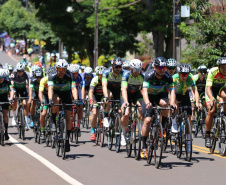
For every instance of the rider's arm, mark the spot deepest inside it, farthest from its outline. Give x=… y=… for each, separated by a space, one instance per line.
x=74 y=90
x=209 y=83
x=196 y=93
x=83 y=91
x=124 y=85
x=105 y=83
x=11 y=89
x=172 y=96
x=31 y=86
x=91 y=94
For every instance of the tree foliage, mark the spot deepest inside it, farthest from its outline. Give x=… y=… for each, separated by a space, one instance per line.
x=206 y=37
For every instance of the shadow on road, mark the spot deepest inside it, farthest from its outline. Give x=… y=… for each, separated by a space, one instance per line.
x=198 y=159
x=171 y=165
x=74 y=156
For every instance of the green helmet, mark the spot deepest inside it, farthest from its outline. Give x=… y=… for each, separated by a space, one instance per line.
x=171 y=62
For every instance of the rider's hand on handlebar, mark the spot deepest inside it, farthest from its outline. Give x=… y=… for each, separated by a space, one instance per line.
x=125 y=105
x=51 y=103
x=148 y=105
x=106 y=99
x=10 y=102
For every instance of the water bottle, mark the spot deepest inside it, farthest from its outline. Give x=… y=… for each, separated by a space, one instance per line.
x=181 y=128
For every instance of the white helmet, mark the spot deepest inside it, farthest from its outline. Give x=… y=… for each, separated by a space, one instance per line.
x=88 y=70
x=2 y=73
x=184 y=68
x=20 y=66
x=126 y=64
x=68 y=67
x=82 y=67
x=7 y=72
x=136 y=64
x=74 y=68
x=29 y=64
x=10 y=67
x=61 y=63
x=99 y=70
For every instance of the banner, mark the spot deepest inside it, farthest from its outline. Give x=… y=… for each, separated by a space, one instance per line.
x=3 y=35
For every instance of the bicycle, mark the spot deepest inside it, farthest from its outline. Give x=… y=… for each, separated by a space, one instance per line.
x=199 y=124
x=61 y=127
x=155 y=137
x=218 y=131
x=86 y=113
x=133 y=136
x=99 y=134
x=114 y=130
x=2 y=125
x=180 y=139
x=37 y=127
x=20 y=117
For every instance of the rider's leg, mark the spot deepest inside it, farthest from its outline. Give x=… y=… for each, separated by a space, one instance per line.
x=26 y=112
x=55 y=109
x=164 y=103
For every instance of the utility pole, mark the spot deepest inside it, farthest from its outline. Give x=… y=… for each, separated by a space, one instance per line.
x=26 y=4
x=60 y=48
x=96 y=35
x=176 y=30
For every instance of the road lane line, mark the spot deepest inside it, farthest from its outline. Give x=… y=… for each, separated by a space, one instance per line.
x=44 y=161
x=207 y=152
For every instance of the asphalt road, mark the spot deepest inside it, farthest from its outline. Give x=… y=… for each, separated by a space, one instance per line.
x=26 y=162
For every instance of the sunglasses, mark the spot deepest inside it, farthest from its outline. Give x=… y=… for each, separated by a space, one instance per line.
x=161 y=67
x=184 y=74
x=75 y=73
x=20 y=71
x=171 y=68
x=203 y=72
x=62 y=69
x=118 y=67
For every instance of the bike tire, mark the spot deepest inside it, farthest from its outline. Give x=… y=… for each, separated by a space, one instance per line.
x=137 y=142
x=173 y=143
x=19 y=122
x=188 y=148
x=213 y=134
x=167 y=137
x=102 y=131
x=23 y=124
x=63 y=138
x=203 y=124
x=58 y=141
x=118 y=131
x=129 y=136
x=87 y=116
x=150 y=147
x=158 y=145
x=98 y=130
x=221 y=138
x=2 y=134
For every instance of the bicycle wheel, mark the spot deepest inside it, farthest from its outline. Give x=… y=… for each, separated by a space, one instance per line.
x=63 y=137
x=137 y=140
x=128 y=137
x=158 y=144
x=87 y=115
x=58 y=138
x=22 y=125
x=174 y=143
x=150 y=147
x=213 y=136
x=203 y=124
x=98 y=130
x=221 y=137
x=109 y=135
x=2 y=127
x=188 y=140
x=19 y=122
x=179 y=140
x=166 y=137
x=118 y=131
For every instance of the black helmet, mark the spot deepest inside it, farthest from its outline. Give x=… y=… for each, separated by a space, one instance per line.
x=116 y=62
x=38 y=73
x=184 y=68
x=160 y=61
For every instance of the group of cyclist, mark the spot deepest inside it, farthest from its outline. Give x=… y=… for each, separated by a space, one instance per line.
x=165 y=85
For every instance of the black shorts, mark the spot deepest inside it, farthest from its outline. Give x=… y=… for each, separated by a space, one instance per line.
x=116 y=94
x=154 y=99
x=133 y=98
x=216 y=91
x=97 y=98
x=185 y=101
x=4 y=98
x=65 y=98
x=21 y=92
x=86 y=88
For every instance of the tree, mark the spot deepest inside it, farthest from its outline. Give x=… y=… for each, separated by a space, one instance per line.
x=206 y=37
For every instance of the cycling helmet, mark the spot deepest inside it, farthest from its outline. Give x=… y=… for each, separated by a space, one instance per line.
x=10 y=67
x=184 y=68
x=202 y=68
x=99 y=70
x=33 y=68
x=82 y=67
x=61 y=63
x=74 y=68
x=126 y=64
x=221 y=61
x=88 y=70
x=171 y=62
x=160 y=61
x=116 y=62
x=7 y=73
x=20 y=66
x=2 y=73
x=136 y=64
x=38 y=73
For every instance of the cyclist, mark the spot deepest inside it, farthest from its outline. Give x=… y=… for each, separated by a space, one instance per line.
x=10 y=68
x=88 y=76
x=126 y=65
x=5 y=87
x=95 y=95
x=111 y=82
x=82 y=68
x=19 y=80
x=132 y=82
x=33 y=93
x=61 y=85
x=183 y=80
x=80 y=86
x=171 y=66
x=215 y=86
x=155 y=84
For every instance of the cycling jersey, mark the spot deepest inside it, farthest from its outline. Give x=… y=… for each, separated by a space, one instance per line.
x=79 y=81
x=96 y=85
x=113 y=83
x=61 y=84
x=5 y=86
x=19 y=82
x=44 y=85
x=34 y=85
x=182 y=87
x=215 y=78
x=156 y=86
x=200 y=84
x=133 y=84
x=87 y=80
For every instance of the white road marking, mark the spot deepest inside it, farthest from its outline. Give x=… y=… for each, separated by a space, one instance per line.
x=48 y=164
x=14 y=59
